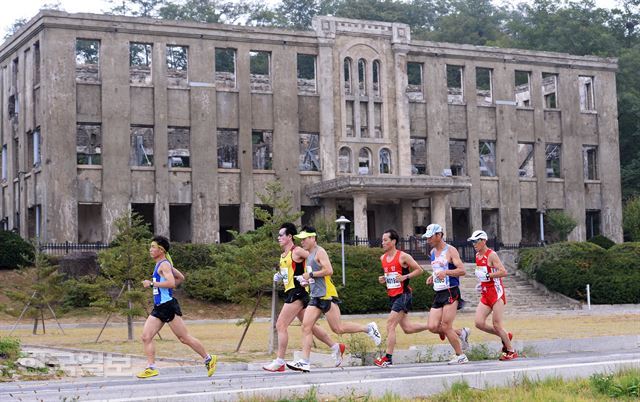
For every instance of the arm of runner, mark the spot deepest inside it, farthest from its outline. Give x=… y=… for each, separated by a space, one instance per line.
x=179 y=276
x=415 y=269
x=495 y=262
x=322 y=258
x=166 y=272
x=299 y=254
x=455 y=260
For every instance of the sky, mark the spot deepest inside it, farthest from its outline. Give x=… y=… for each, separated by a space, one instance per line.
x=29 y=8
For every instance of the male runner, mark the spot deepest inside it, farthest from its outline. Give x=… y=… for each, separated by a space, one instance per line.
x=296 y=298
x=490 y=271
x=167 y=310
x=324 y=299
x=398 y=268
x=447 y=268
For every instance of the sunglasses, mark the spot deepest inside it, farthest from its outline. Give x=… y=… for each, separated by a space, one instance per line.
x=476 y=241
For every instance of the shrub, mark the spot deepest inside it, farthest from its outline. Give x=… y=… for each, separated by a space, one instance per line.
x=560 y=224
x=14 y=250
x=192 y=257
x=602 y=241
x=631 y=218
x=9 y=348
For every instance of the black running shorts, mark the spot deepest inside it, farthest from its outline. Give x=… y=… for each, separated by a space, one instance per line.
x=290 y=296
x=167 y=311
x=323 y=304
x=447 y=296
x=402 y=302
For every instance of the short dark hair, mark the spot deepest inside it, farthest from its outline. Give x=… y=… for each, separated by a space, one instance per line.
x=289 y=229
x=308 y=229
x=163 y=242
x=393 y=235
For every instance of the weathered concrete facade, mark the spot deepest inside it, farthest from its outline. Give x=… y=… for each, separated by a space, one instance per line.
x=186 y=123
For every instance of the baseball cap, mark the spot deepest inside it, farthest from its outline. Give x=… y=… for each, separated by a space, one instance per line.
x=477 y=235
x=304 y=234
x=432 y=229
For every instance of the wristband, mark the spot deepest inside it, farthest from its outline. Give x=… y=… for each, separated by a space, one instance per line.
x=311 y=274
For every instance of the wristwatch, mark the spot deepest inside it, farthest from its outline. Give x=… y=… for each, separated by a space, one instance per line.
x=311 y=274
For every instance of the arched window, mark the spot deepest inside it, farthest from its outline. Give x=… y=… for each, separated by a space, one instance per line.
x=347 y=76
x=344 y=160
x=385 y=161
x=376 y=77
x=362 y=76
x=364 y=161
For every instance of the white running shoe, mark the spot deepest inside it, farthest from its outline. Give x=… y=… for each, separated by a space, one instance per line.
x=274 y=366
x=337 y=354
x=462 y=359
x=300 y=366
x=464 y=338
x=374 y=333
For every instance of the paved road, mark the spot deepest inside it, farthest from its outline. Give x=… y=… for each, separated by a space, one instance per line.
x=410 y=380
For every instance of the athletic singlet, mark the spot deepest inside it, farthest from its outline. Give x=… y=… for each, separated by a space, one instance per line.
x=289 y=269
x=483 y=268
x=392 y=269
x=441 y=263
x=160 y=295
x=321 y=287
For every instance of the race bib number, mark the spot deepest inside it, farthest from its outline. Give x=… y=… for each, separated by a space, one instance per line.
x=284 y=272
x=440 y=284
x=392 y=280
x=482 y=273
x=155 y=289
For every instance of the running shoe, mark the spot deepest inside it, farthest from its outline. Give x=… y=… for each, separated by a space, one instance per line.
x=464 y=338
x=504 y=347
x=374 y=333
x=148 y=372
x=274 y=366
x=382 y=362
x=337 y=354
x=461 y=359
x=300 y=366
x=210 y=364
x=509 y=355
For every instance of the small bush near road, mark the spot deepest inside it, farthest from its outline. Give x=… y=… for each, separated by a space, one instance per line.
x=9 y=348
x=14 y=250
x=602 y=241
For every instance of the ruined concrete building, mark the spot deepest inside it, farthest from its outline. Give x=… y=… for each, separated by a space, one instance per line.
x=185 y=123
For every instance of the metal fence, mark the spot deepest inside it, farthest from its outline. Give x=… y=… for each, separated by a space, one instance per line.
x=67 y=247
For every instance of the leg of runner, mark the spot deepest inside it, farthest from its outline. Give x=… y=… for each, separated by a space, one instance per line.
x=448 y=315
x=151 y=327
x=288 y=313
x=311 y=316
x=498 y=313
x=337 y=349
x=434 y=319
x=412 y=327
x=180 y=330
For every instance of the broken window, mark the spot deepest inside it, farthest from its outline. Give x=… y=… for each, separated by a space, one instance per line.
x=177 y=64
x=418 y=156
x=179 y=146
x=349 y=112
x=552 y=155
x=141 y=146
x=227 y=148
x=458 y=157
x=484 y=89
x=414 y=81
x=36 y=63
x=347 y=76
x=180 y=223
x=13 y=106
x=33 y=143
x=88 y=144
x=309 y=152
x=34 y=218
x=362 y=77
x=140 y=55
x=488 y=158
x=225 y=68
x=376 y=78
x=491 y=222
x=454 y=85
x=526 y=167
x=306 y=74
x=4 y=162
x=385 y=161
x=592 y=223
x=590 y=157
x=16 y=157
x=364 y=161
x=364 y=120
x=260 y=70
x=87 y=60
x=587 y=99
x=550 y=90
x=89 y=223
x=522 y=88
x=377 y=115
x=344 y=160
x=262 y=147
x=147 y=213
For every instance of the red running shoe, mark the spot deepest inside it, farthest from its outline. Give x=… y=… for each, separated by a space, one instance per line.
x=382 y=362
x=509 y=355
x=504 y=348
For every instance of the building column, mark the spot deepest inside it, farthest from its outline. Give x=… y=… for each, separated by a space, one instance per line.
x=160 y=145
x=329 y=209
x=439 y=211
x=406 y=212
x=400 y=49
x=245 y=150
x=360 y=215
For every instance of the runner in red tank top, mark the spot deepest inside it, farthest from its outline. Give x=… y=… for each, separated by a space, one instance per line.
x=489 y=272
x=399 y=268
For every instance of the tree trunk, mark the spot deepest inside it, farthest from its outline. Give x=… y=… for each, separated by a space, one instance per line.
x=129 y=317
x=246 y=328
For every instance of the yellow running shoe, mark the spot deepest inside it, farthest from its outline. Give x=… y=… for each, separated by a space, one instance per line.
x=148 y=372
x=211 y=365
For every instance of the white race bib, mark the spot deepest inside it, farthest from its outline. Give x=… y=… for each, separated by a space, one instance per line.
x=440 y=284
x=392 y=280
x=155 y=289
x=284 y=272
x=481 y=273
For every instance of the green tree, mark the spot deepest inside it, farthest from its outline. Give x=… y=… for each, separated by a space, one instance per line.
x=15 y=27
x=560 y=224
x=136 y=8
x=476 y=22
x=631 y=218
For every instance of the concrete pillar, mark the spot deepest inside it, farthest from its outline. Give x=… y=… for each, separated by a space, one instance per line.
x=437 y=116
x=360 y=215
x=474 y=194
x=400 y=51
x=329 y=209
x=245 y=162
x=325 y=79
x=439 y=212
x=160 y=145
x=406 y=211
x=539 y=148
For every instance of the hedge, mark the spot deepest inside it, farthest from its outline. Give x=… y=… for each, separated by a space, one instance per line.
x=14 y=250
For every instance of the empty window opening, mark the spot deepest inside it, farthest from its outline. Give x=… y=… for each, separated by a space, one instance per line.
x=89 y=223
x=225 y=68
x=180 y=223
x=530 y=226
x=491 y=222
x=362 y=77
x=350 y=119
x=262 y=147
x=488 y=158
x=344 y=160
x=377 y=124
x=590 y=157
x=311 y=214
x=526 y=166
x=550 y=90
x=347 y=76
x=455 y=92
x=309 y=152
x=592 y=223
x=385 y=161
x=376 y=78
x=141 y=146
x=87 y=60
x=88 y=144
x=461 y=230
x=140 y=56
x=484 y=88
x=587 y=99
x=364 y=119
x=522 y=88
x=179 y=146
x=4 y=162
x=34 y=219
x=177 y=65
x=12 y=106
x=16 y=158
x=414 y=89
x=33 y=144
x=147 y=213
x=227 y=148
x=364 y=161
x=418 y=156
x=552 y=154
x=257 y=223
x=458 y=157
x=306 y=74
x=260 y=71
x=229 y=220
x=36 y=63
